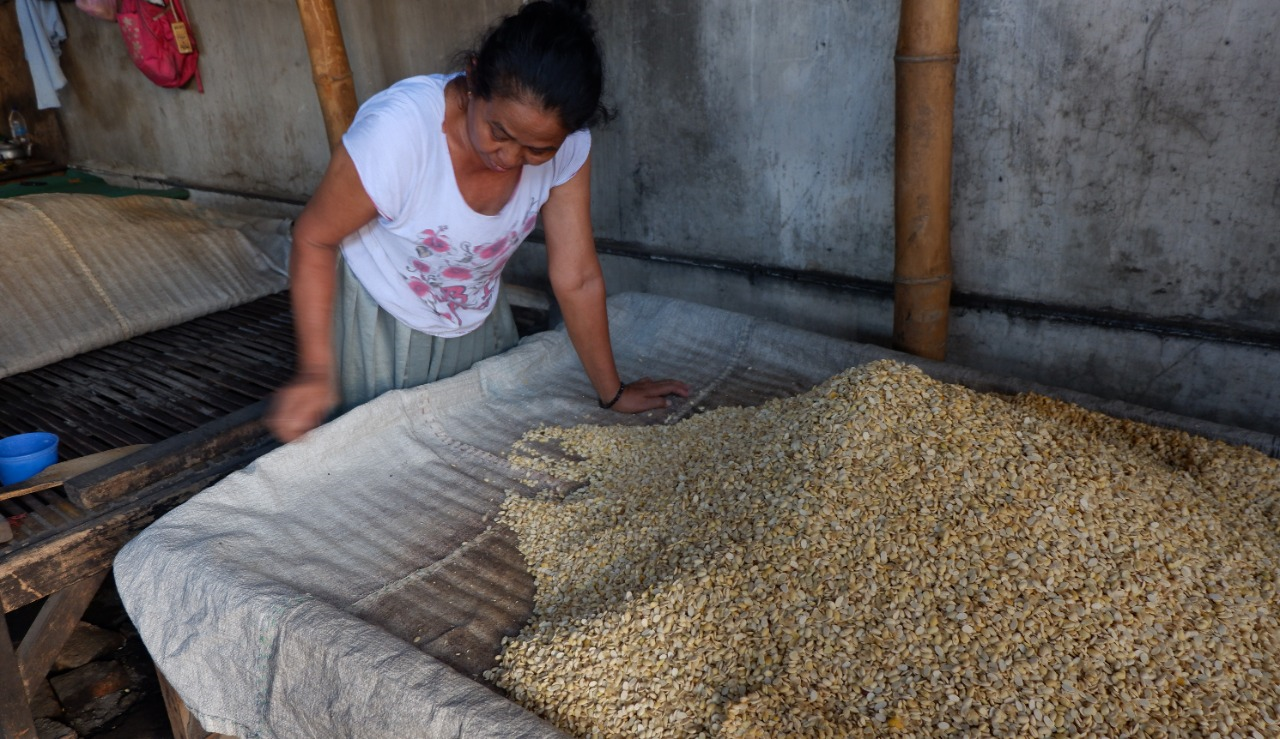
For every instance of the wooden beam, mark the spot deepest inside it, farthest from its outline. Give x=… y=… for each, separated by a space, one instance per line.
x=57 y=474
x=928 y=49
x=47 y=566
x=58 y=617
x=15 y=710
x=170 y=457
x=330 y=69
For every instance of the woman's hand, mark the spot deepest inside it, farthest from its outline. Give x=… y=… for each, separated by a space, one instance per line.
x=646 y=394
x=301 y=405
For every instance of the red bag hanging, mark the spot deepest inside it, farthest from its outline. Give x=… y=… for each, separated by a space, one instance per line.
x=159 y=41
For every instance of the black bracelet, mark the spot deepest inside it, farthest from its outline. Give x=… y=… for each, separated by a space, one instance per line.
x=610 y=404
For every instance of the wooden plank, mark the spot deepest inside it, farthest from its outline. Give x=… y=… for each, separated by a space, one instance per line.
x=40 y=569
x=15 y=710
x=42 y=514
x=57 y=474
x=170 y=457
x=53 y=625
x=181 y=722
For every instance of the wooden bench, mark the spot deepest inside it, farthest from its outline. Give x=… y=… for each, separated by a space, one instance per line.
x=192 y=393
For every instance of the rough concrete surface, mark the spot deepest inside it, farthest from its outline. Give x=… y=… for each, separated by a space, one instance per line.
x=1110 y=157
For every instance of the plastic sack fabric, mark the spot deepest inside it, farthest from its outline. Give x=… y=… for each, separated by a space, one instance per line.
x=354 y=583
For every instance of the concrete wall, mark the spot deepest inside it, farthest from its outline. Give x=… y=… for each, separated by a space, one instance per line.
x=1117 y=168
x=1125 y=157
x=257 y=128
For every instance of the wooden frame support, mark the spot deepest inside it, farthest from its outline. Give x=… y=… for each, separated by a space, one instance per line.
x=181 y=722
x=15 y=707
x=68 y=569
x=928 y=49
x=20 y=669
x=53 y=626
x=330 y=69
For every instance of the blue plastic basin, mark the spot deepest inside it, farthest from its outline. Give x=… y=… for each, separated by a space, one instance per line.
x=25 y=455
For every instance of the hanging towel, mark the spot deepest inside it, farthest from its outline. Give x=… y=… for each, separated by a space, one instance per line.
x=42 y=37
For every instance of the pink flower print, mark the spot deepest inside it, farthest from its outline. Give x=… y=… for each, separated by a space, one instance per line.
x=435 y=241
x=489 y=251
x=421 y=266
x=454 y=294
x=419 y=287
x=530 y=222
x=456 y=273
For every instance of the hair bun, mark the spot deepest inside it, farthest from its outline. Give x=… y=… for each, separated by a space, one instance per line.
x=546 y=52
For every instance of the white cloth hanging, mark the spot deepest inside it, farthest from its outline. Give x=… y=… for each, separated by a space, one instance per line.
x=42 y=37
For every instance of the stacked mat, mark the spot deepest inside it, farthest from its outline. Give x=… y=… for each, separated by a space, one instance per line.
x=85 y=271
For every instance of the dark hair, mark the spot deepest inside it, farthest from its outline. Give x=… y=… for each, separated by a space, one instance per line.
x=546 y=53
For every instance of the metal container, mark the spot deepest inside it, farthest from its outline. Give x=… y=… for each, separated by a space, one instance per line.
x=10 y=151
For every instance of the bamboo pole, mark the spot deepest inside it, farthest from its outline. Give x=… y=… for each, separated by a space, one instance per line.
x=928 y=49
x=330 y=69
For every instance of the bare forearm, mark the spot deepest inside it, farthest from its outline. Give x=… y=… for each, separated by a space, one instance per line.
x=586 y=320
x=313 y=277
x=578 y=283
x=339 y=207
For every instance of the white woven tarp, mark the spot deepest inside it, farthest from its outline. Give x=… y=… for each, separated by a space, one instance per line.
x=85 y=271
x=354 y=584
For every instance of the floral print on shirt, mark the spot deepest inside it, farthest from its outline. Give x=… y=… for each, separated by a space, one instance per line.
x=451 y=277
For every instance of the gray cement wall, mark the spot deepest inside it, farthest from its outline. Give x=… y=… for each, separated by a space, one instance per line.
x=1227 y=382
x=1123 y=157
x=256 y=129
x=1110 y=161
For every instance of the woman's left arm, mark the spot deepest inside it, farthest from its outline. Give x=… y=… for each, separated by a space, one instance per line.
x=578 y=284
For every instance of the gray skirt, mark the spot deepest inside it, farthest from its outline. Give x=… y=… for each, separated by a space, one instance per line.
x=376 y=353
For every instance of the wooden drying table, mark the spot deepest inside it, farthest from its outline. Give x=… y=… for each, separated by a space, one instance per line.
x=194 y=393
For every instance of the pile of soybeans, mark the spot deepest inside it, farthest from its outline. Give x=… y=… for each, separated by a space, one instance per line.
x=891 y=555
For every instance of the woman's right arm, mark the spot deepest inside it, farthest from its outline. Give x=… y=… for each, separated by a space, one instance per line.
x=338 y=207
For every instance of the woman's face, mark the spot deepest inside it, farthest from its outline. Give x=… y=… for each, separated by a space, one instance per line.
x=508 y=133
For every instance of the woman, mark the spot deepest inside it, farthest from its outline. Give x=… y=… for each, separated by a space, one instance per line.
x=433 y=187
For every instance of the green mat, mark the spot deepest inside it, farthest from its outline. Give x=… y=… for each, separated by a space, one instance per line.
x=76 y=181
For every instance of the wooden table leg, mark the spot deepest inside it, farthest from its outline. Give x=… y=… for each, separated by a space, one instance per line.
x=181 y=722
x=21 y=669
x=15 y=709
x=58 y=617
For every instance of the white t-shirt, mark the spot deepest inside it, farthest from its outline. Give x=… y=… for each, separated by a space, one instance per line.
x=429 y=259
